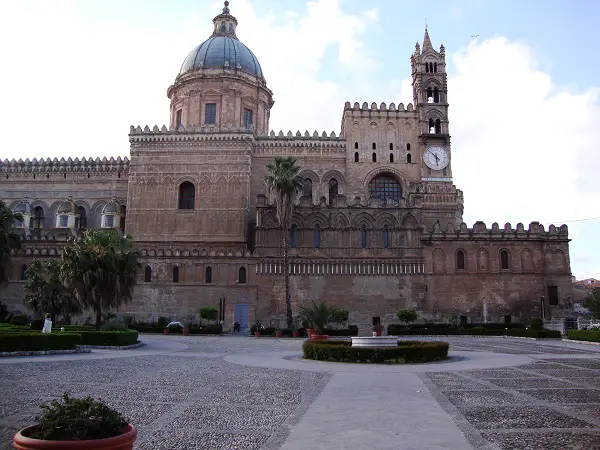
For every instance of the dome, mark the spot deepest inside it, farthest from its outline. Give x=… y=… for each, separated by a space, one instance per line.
x=222 y=52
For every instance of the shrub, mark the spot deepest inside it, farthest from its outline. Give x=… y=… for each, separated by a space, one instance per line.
x=113 y=325
x=352 y=330
x=406 y=352
x=584 y=335
x=19 y=319
x=37 y=324
x=147 y=327
x=163 y=321
x=209 y=313
x=537 y=324
x=538 y=334
x=407 y=315
x=78 y=419
x=35 y=341
x=109 y=338
x=213 y=329
x=339 y=315
x=3 y=313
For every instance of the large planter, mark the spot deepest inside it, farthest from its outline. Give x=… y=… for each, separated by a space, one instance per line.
x=296 y=333
x=185 y=331
x=319 y=337
x=257 y=333
x=310 y=332
x=122 y=442
x=278 y=334
x=166 y=331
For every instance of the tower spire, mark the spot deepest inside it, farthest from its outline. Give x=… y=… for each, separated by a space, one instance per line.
x=426 y=39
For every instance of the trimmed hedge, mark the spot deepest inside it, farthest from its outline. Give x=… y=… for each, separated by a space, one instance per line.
x=401 y=330
x=216 y=329
x=22 y=342
x=406 y=352
x=108 y=338
x=147 y=327
x=584 y=335
x=352 y=330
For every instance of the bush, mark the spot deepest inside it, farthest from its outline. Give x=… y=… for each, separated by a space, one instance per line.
x=35 y=341
x=538 y=334
x=584 y=335
x=213 y=329
x=147 y=327
x=78 y=419
x=406 y=352
x=113 y=325
x=537 y=324
x=163 y=321
x=352 y=330
x=407 y=315
x=19 y=319
x=37 y=324
x=209 y=313
x=109 y=338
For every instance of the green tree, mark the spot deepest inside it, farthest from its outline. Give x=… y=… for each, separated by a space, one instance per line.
x=283 y=183
x=339 y=315
x=209 y=313
x=318 y=316
x=407 y=315
x=592 y=302
x=9 y=238
x=45 y=291
x=100 y=270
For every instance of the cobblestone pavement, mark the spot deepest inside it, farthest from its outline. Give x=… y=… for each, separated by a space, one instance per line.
x=191 y=398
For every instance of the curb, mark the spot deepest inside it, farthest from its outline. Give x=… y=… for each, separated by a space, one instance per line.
x=581 y=342
x=112 y=347
x=46 y=352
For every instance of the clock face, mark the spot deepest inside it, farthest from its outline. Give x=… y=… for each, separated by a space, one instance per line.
x=436 y=158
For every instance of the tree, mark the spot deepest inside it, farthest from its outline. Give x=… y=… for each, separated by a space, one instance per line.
x=9 y=238
x=592 y=302
x=209 y=313
x=407 y=315
x=283 y=183
x=100 y=270
x=339 y=315
x=45 y=291
x=318 y=316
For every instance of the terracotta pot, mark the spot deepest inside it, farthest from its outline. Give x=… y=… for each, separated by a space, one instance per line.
x=122 y=442
x=377 y=333
x=185 y=331
x=310 y=332
x=166 y=331
x=278 y=334
x=319 y=337
x=296 y=333
x=257 y=333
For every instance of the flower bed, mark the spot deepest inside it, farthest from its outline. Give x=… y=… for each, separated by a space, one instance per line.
x=584 y=335
x=16 y=342
x=406 y=352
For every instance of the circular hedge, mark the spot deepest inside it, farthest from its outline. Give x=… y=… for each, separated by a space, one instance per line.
x=406 y=352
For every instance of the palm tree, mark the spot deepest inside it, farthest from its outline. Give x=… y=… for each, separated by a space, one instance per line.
x=45 y=291
x=283 y=183
x=9 y=239
x=100 y=270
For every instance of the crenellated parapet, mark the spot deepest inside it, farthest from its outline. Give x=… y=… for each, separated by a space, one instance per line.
x=63 y=165
x=535 y=231
x=183 y=134
x=298 y=143
x=357 y=110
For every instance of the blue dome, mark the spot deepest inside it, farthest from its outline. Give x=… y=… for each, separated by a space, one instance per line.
x=219 y=52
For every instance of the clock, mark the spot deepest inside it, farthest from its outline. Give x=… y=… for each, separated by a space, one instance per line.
x=436 y=158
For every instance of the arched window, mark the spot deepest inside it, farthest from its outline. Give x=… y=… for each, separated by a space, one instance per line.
x=426 y=67
x=430 y=67
x=333 y=190
x=355 y=145
x=460 y=260
x=208 y=275
x=391 y=146
x=438 y=126
x=37 y=223
x=242 y=275
x=363 y=237
x=429 y=94
x=176 y=274
x=81 y=222
x=408 y=147
x=431 y=126
x=23 y=272
x=123 y=217
x=408 y=158
x=294 y=236
x=374 y=146
x=187 y=195
x=435 y=67
x=307 y=187
x=504 y=260
x=317 y=236
x=385 y=187
x=436 y=95
x=374 y=157
x=231 y=28
x=386 y=237
x=148 y=274
x=355 y=156
x=223 y=27
x=391 y=157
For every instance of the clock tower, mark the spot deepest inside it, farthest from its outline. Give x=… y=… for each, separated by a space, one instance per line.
x=430 y=96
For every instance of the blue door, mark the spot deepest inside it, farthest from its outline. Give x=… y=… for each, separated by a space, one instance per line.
x=241 y=316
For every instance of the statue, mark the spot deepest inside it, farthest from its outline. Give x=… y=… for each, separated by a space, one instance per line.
x=47 y=324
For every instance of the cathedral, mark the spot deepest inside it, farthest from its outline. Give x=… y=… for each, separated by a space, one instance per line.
x=377 y=227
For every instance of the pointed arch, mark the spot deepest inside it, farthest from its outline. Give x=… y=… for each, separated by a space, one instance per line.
x=242 y=275
x=208 y=275
x=294 y=236
x=409 y=221
x=559 y=260
x=482 y=260
x=386 y=219
x=363 y=219
x=148 y=274
x=23 y=274
x=317 y=218
x=317 y=236
x=187 y=195
x=461 y=260
x=504 y=260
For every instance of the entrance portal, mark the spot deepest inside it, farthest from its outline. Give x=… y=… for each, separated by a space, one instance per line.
x=241 y=316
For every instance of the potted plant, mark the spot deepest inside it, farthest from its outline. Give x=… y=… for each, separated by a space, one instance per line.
x=77 y=423
x=377 y=329
x=278 y=333
x=318 y=317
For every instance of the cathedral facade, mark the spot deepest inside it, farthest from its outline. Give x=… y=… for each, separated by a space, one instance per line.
x=377 y=227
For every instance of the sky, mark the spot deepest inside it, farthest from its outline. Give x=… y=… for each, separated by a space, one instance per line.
x=523 y=85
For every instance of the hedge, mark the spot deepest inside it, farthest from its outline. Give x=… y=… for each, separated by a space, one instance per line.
x=406 y=352
x=108 y=338
x=584 y=335
x=401 y=330
x=352 y=330
x=13 y=342
x=147 y=327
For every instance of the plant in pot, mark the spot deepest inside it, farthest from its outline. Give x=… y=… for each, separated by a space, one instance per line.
x=278 y=333
x=318 y=316
x=77 y=423
x=377 y=329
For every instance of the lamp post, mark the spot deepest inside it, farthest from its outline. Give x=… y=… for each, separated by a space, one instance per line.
x=484 y=311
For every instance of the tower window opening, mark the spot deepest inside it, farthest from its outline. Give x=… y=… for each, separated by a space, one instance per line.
x=356 y=145
x=429 y=95
x=430 y=67
x=374 y=146
x=333 y=190
x=147 y=274
x=307 y=187
x=363 y=237
x=408 y=147
x=408 y=158
x=247 y=119
x=391 y=146
x=391 y=157
x=435 y=67
x=242 y=275
x=386 y=237
x=504 y=260
x=175 y=274
x=294 y=236
x=24 y=272
x=178 y=118
x=317 y=236
x=431 y=126
x=436 y=95
x=374 y=157
x=210 y=114
x=208 y=275
x=187 y=195
x=355 y=156
x=426 y=67
x=460 y=260
x=438 y=126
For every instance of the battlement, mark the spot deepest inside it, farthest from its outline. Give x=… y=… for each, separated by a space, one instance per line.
x=481 y=232
x=64 y=165
x=356 y=109
x=305 y=136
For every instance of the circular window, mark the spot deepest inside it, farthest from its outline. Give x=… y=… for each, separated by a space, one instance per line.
x=385 y=187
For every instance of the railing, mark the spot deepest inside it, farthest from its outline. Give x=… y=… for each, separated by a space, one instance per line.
x=374 y=268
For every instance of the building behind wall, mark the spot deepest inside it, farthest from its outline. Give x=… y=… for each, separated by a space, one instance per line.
x=377 y=227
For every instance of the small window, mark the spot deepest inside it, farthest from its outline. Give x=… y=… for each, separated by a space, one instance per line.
x=438 y=126
x=175 y=274
x=317 y=236
x=148 y=274
x=391 y=146
x=426 y=67
x=307 y=187
x=408 y=158
x=82 y=220
x=63 y=221
x=231 y=28
x=223 y=27
x=355 y=145
x=436 y=95
x=109 y=221
x=431 y=126
x=23 y=271
x=208 y=275
x=294 y=236
x=247 y=119
x=374 y=146
x=374 y=157
x=504 y=260
x=460 y=260
x=363 y=237
x=408 y=147
x=333 y=190
x=187 y=195
x=386 y=237
x=178 y=118
x=210 y=114
x=38 y=218
x=391 y=157
x=355 y=156
x=553 y=295
x=242 y=275
x=435 y=67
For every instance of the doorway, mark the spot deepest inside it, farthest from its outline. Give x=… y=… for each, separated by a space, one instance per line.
x=240 y=316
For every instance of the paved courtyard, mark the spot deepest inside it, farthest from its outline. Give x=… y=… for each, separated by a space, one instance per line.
x=247 y=393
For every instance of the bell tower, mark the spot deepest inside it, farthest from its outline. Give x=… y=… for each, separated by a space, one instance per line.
x=430 y=97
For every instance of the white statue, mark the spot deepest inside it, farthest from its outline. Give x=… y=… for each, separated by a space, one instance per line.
x=47 y=325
